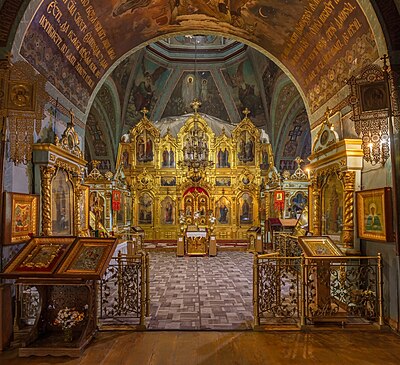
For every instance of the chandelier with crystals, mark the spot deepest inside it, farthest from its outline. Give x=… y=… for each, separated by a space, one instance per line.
x=195 y=149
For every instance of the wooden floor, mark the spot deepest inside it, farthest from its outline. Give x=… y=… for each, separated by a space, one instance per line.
x=230 y=348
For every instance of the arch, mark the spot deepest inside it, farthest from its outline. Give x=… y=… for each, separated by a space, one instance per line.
x=282 y=45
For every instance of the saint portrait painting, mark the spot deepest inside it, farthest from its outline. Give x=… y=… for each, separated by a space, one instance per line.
x=21 y=212
x=374 y=219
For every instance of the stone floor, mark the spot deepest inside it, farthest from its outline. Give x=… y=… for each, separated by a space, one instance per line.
x=201 y=293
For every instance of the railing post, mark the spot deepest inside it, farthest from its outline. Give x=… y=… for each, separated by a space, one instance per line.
x=303 y=291
x=380 y=290
x=256 y=310
x=147 y=284
x=119 y=279
x=142 y=288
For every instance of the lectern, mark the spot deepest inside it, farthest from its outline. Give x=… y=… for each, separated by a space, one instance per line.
x=56 y=274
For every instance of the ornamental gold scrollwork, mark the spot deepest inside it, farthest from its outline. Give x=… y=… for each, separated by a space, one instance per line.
x=65 y=165
x=47 y=173
x=23 y=106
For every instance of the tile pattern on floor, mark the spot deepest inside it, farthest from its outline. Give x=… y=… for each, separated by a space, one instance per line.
x=201 y=293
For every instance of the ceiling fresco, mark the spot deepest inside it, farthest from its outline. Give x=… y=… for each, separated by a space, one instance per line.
x=149 y=83
x=75 y=42
x=242 y=83
x=188 y=89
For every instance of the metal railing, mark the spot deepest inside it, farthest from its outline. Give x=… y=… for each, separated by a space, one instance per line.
x=301 y=290
x=124 y=293
x=286 y=245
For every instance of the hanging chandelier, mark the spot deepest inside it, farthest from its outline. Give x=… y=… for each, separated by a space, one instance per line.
x=195 y=148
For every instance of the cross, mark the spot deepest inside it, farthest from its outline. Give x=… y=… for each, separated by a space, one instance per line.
x=298 y=160
x=95 y=164
x=144 y=111
x=71 y=113
x=384 y=58
x=195 y=104
x=295 y=132
x=246 y=112
x=327 y=113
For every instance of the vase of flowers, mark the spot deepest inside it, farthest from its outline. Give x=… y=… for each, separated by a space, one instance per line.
x=212 y=221
x=182 y=221
x=66 y=319
x=196 y=218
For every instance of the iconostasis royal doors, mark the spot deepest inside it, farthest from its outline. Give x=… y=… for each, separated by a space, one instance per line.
x=196 y=204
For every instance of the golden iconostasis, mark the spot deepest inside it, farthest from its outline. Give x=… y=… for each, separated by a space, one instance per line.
x=192 y=168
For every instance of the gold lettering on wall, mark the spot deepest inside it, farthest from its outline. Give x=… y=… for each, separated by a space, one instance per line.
x=74 y=28
x=320 y=36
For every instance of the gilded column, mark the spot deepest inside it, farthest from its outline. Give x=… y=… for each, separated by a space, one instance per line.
x=78 y=207
x=348 y=219
x=267 y=205
x=316 y=193
x=46 y=173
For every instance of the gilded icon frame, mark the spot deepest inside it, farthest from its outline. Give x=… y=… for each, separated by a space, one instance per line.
x=88 y=258
x=40 y=257
x=375 y=225
x=23 y=228
x=316 y=246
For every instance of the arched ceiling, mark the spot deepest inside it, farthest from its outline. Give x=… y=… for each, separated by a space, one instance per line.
x=227 y=76
x=75 y=43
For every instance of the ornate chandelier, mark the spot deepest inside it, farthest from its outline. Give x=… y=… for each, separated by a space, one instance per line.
x=195 y=149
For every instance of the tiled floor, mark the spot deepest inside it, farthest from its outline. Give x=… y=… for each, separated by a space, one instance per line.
x=207 y=293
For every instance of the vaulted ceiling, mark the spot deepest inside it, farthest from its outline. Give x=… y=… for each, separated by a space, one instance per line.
x=227 y=76
x=315 y=45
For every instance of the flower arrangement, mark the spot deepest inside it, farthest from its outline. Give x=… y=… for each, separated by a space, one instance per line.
x=182 y=219
x=212 y=219
x=68 y=318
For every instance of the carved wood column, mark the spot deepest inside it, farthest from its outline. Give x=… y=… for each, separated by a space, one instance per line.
x=348 y=221
x=46 y=173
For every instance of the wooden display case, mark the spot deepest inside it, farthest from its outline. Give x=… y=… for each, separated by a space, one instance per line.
x=62 y=271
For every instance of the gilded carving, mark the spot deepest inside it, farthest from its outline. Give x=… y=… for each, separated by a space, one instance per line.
x=23 y=105
x=67 y=166
x=47 y=173
x=70 y=139
x=348 y=222
x=228 y=185
x=77 y=207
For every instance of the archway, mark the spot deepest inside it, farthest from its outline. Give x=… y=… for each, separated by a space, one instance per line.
x=120 y=29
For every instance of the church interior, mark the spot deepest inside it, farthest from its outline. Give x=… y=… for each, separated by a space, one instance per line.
x=221 y=174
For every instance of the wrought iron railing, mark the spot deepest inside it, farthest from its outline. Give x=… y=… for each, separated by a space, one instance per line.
x=343 y=289
x=301 y=291
x=124 y=292
x=287 y=245
x=276 y=289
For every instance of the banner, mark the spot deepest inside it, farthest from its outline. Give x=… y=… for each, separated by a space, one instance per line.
x=279 y=199
x=116 y=200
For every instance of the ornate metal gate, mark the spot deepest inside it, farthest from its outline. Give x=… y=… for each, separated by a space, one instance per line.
x=124 y=293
